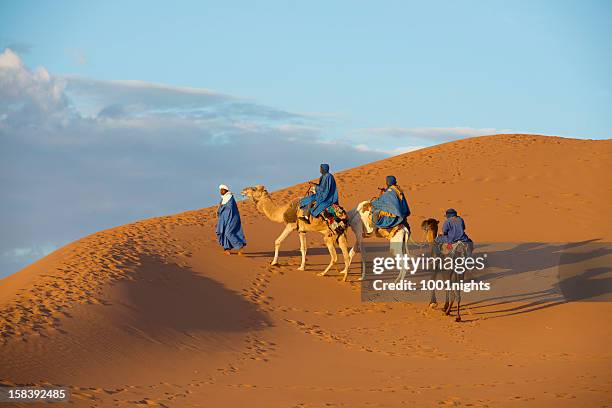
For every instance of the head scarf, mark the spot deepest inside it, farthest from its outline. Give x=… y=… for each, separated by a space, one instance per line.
x=391 y=181
x=451 y=212
x=325 y=168
x=225 y=197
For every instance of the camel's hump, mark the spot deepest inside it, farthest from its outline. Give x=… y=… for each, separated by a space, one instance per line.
x=290 y=214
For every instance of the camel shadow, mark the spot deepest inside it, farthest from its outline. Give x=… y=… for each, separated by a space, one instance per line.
x=290 y=253
x=538 y=276
x=170 y=297
x=535 y=256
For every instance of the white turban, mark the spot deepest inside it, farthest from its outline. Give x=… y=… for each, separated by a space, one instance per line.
x=223 y=187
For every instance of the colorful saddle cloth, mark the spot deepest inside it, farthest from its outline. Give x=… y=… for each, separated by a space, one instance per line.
x=336 y=218
x=456 y=249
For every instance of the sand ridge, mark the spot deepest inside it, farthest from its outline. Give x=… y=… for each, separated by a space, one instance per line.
x=152 y=314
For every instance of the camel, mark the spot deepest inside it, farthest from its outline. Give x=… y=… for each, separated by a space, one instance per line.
x=360 y=220
x=288 y=215
x=457 y=250
x=430 y=232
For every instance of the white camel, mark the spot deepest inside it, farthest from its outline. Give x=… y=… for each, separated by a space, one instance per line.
x=360 y=220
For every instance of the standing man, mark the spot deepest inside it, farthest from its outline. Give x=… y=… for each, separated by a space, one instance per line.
x=229 y=227
x=326 y=195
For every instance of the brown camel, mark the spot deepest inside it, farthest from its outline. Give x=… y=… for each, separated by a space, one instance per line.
x=287 y=214
x=456 y=250
x=430 y=232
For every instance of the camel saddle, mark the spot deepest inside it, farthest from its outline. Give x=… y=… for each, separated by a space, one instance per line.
x=389 y=233
x=334 y=216
x=458 y=247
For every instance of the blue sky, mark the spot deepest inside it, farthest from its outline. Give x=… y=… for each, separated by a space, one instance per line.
x=140 y=99
x=539 y=66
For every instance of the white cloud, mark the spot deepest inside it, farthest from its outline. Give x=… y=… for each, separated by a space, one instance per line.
x=10 y=60
x=78 y=155
x=29 y=97
x=31 y=253
x=389 y=152
x=130 y=97
x=433 y=133
x=397 y=140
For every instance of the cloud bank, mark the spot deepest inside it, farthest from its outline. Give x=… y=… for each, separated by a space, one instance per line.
x=79 y=154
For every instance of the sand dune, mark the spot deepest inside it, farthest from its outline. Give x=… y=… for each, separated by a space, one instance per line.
x=152 y=313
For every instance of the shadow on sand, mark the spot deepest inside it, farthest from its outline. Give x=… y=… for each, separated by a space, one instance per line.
x=523 y=277
x=538 y=276
x=167 y=296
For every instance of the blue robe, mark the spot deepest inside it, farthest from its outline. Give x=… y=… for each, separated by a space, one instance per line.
x=392 y=203
x=326 y=195
x=453 y=230
x=229 y=227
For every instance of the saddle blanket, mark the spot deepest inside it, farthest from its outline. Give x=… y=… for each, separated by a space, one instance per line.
x=458 y=248
x=336 y=218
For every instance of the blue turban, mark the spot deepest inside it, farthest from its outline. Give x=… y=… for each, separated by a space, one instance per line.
x=451 y=212
x=391 y=181
x=325 y=168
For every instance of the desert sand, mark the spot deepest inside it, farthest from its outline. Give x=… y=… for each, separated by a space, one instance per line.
x=153 y=314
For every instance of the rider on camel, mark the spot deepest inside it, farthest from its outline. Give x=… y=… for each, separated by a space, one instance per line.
x=325 y=195
x=391 y=208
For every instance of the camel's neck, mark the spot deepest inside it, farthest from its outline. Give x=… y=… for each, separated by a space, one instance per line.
x=267 y=207
x=431 y=233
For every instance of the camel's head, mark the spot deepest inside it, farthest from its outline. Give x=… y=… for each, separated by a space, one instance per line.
x=254 y=193
x=430 y=224
x=365 y=213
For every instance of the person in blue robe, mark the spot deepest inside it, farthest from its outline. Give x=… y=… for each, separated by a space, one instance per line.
x=453 y=229
x=391 y=208
x=325 y=194
x=229 y=227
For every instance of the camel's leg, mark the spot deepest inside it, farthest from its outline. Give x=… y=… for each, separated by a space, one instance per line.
x=352 y=253
x=458 y=318
x=356 y=224
x=345 y=254
x=303 y=250
x=447 y=302
x=359 y=246
x=332 y=253
x=280 y=239
x=433 y=302
x=397 y=247
x=451 y=279
x=363 y=262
